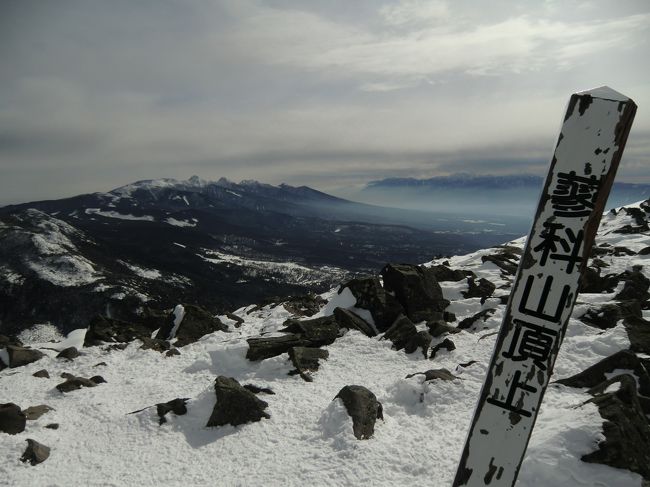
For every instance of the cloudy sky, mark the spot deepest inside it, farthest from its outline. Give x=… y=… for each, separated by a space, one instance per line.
x=332 y=94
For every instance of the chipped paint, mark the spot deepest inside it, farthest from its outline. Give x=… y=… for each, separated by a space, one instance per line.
x=544 y=292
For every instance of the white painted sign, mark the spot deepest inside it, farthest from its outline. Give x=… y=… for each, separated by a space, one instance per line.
x=589 y=148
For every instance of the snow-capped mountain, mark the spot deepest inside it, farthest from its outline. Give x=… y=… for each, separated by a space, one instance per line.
x=220 y=244
x=374 y=382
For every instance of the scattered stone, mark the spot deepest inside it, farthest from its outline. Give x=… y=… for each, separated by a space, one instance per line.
x=176 y=406
x=439 y=328
x=238 y=320
x=608 y=315
x=172 y=352
x=433 y=374
x=467 y=364
x=370 y=295
x=483 y=289
x=73 y=383
x=421 y=340
x=636 y=285
x=42 y=373
x=446 y=344
x=364 y=409
x=305 y=360
x=98 y=379
x=35 y=452
x=626 y=428
x=235 y=405
x=258 y=390
x=352 y=321
x=262 y=348
x=19 y=356
x=155 y=344
x=67 y=375
x=52 y=426
x=34 y=412
x=101 y=364
x=482 y=315
x=196 y=323
x=69 y=353
x=443 y=273
x=638 y=331
x=416 y=289
x=592 y=282
x=400 y=333
x=507 y=261
x=12 y=419
x=117 y=346
x=315 y=332
x=102 y=329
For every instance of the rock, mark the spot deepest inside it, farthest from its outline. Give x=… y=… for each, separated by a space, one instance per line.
x=117 y=346
x=35 y=452
x=101 y=364
x=155 y=344
x=472 y=320
x=370 y=295
x=483 y=289
x=443 y=273
x=235 y=405
x=306 y=359
x=172 y=352
x=644 y=251
x=196 y=323
x=597 y=374
x=315 y=332
x=34 y=412
x=363 y=408
x=98 y=379
x=73 y=383
x=421 y=340
x=69 y=353
x=238 y=320
x=307 y=305
x=626 y=428
x=19 y=356
x=176 y=406
x=438 y=328
x=12 y=419
x=42 y=373
x=506 y=260
x=636 y=285
x=638 y=331
x=5 y=340
x=608 y=315
x=416 y=289
x=400 y=333
x=446 y=344
x=347 y=319
x=592 y=282
x=52 y=426
x=258 y=390
x=433 y=374
x=263 y=347
x=102 y=329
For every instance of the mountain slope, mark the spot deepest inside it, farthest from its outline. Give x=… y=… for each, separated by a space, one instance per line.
x=308 y=437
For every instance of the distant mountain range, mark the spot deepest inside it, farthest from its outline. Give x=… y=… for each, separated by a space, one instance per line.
x=158 y=242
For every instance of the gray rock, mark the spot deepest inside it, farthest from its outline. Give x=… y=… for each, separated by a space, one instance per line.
x=197 y=322
x=262 y=348
x=12 y=419
x=306 y=359
x=34 y=412
x=446 y=344
x=443 y=273
x=235 y=405
x=483 y=289
x=421 y=340
x=69 y=353
x=401 y=332
x=352 y=321
x=42 y=373
x=316 y=332
x=370 y=295
x=19 y=356
x=636 y=285
x=35 y=452
x=176 y=406
x=364 y=409
x=73 y=383
x=481 y=316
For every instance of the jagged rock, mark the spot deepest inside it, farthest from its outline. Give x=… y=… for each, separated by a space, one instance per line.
x=370 y=295
x=305 y=360
x=34 y=412
x=626 y=428
x=316 y=332
x=12 y=419
x=481 y=315
x=35 y=452
x=263 y=347
x=258 y=390
x=438 y=328
x=238 y=320
x=172 y=352
x=352 y=321
x=447 y=344
x=102 y=329
x=176 y=406
x=421 y=340
x=154 y=344
x=443 y=273
x=196 y=323
x=42 y=373
x=416 y=289
x=636 y=285
x=592 y=282
x=433 y=374
x=73 y=383
x=638 y=331
x=596 y=374
x=401 y=332
x=483 y=289
x=506 y=261
x=608 y=315
x=307 y=305
x=19 y=356
x=69 y=353
x=364 y=409
x=235 y=405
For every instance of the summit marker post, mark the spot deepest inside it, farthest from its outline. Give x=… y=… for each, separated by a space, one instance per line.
x=589 y=148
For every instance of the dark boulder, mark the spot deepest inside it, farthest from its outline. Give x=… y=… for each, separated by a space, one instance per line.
x=42 y=373
x=608 y=315
x=626 y=428
x=401 y=332
x=35 y=453
x=421 y=340
x=34 y=412
x=446 y=344
x=439 y=328
x=364 y=409
x=347 y=319
x=483 y=289
x=102 y=329
x=443 y=273
x=266 y=347
x=638 y=331
x=507 y=261
x=306 y=360
x=235 y=405
x=416 y=289
x=73 y=383
x=172 y=352
x=176 y=406
x=12 y=419
x=636 y=285
x=316 y=332
x=370 y=295
x=69 y=353
x=307 y=305
x=155 y=344
x=19 y=356
x=479 y=317
x=52 y=426
x=238 y=320
x=592 y=282
x=196 y=323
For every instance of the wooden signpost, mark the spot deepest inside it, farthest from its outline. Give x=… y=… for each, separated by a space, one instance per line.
x=587 y=154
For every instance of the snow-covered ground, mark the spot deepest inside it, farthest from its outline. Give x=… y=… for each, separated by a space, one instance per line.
x=308 y=439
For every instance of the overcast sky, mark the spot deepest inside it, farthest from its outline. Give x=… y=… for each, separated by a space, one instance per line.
x=331 y=94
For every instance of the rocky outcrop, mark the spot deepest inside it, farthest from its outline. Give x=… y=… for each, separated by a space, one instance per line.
x=195 y=323
x=102 y=329
x=235 y=405
x=266 y=347
x=370 y=295
x=316 y=332
x=364 y=409
x=12 y=419
x=401 y=332
x=352 y=321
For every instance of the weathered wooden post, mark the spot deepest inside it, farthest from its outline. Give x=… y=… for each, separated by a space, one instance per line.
x=587 y=154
